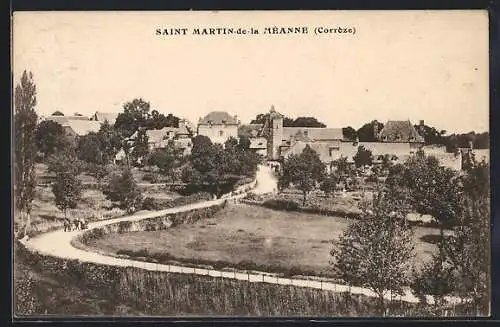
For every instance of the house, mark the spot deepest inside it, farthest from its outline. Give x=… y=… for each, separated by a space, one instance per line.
x=159 y=138
x=398 y=139
x=219 y=126
x=103 y=116
x=76 y=125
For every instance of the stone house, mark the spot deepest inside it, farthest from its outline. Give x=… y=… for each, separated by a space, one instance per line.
x=219 y=126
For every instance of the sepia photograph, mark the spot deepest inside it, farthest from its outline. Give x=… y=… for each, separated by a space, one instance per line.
x=250 y=164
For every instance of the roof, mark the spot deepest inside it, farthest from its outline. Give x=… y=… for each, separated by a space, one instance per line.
x=250 y=130
x=109 y=116
x=321 y=148
x=158 y=135
x=82 y=127
x=219 y=118
x=63 y=119
x=399 y=131
x=314 y=133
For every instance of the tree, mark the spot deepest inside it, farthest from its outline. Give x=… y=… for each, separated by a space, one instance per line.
x=25 y=122
x=50 y=137
x=328 y=184
x=363 y=157
x=140 y=147
x=63 y=161
x=67 y=188
x=123 y=191
x=468 y=247
x=109 y=142
x=431 y=135
x=134 y=116
x=89 y=149
x=366 y=133
x=57 y=113
x=342 y=168
x=307 y=122
x=349 y=133
x=158 y=120
x=167 y=160
x=376 y=250
x=304 y=171
x=244 y=143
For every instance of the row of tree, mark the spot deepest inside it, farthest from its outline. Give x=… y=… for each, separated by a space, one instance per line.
x=375 y=251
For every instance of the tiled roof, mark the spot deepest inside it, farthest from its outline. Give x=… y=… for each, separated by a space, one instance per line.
x=314 y=133
x=219 y=118
x=63 y=119
x=399 y=131
x=82 y=127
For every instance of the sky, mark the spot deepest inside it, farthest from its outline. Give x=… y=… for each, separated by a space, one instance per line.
x=399 y=65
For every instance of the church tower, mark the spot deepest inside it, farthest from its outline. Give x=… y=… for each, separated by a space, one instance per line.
x=275 y=134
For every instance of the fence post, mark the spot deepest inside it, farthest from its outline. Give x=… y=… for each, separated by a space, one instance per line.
x=262 y=277
x=248 y=274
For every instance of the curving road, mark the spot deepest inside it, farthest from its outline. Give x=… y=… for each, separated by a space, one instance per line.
x=58 y=244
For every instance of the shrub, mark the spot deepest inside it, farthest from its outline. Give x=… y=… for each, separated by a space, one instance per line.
x=150 y=203
x=150 y=177
x=279 y=204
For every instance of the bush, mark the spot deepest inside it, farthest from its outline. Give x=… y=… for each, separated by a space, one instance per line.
x=279 y=204
x=150 y=177
x=150 y=203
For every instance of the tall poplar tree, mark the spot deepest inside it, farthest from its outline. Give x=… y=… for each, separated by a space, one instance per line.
x=25 y=123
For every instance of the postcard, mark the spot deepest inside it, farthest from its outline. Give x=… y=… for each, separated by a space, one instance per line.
x=251 y=164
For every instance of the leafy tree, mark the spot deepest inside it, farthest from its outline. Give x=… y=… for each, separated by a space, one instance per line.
x=307 y=122
x=342 y=168
x=304 y=171
x=431 y=135
x=50 y=137
x=366 y=132
x=25 y=122
x=375 y=251
x=231 y=144
x=109 y=142
x=89 y=149
x=140 y=147
x=134 y=116
x=244 y=143
x=64 y=161
x=123 y=191
x=363 y=157
x=328 y=184
x=67 y=188
x=57 y=113
x=167 y=159
x=158 y=120
x=468 y=247
x=349 y=133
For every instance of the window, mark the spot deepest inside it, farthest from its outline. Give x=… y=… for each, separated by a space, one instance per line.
x=332 y=149
x=221 y=133
x=306 y=133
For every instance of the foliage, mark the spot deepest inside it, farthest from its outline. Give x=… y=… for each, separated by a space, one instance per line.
x=122 y=189
x=366 y=132
x=150 y=203
x=478 y=140
x=65 y=161
x=50 y=138
x=25 y=122
x=216 y=169
x=304 y=171
x=134 y=116
x=67 y=188
x=244 y=143
x=290 y=122
x=278 y=204
x=342 y=168
x=431 y=135
x=57 y=113
x=349 y=133
x=329 y=184
x=363 y=157
x=168 y=160
x=375 y=251
x=468 y=248
x=89 y=149
x=158 y=120
x=140 y=148
x=109 y=142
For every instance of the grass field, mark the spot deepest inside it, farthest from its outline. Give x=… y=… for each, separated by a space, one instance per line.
x=243 y=233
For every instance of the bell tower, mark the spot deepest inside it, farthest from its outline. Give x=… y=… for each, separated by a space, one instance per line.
x=275 y=134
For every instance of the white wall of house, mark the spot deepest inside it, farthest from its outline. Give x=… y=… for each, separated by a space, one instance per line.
x=218 y=133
